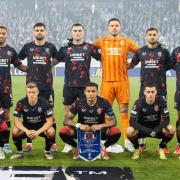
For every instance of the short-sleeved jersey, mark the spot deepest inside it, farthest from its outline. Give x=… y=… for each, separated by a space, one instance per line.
x=77 y=60
x=176 y=57
x=33 y=115
x=114 y=53
x=154 y=64
x=154 y=116
x=91 y=114
x=39 y=63
x=8 y=56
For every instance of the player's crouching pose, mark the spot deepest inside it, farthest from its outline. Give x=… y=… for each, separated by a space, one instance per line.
x=37 y=121
x=150 y=118
x=91 y=111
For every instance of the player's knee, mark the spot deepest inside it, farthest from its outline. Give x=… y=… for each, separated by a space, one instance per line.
x=171 y=129
x=51 y=133
x=65 y=131
x=130 y=131
x=15 y=132
x=114 y=131
x=7 y=117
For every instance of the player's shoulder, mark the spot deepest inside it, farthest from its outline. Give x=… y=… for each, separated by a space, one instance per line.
x=50 y=44
x=43 y=101
x=176 y=50
x=10 y=48
x=23 y=101
x=161 y=100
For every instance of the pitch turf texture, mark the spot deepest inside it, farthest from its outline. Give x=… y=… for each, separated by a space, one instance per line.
x=149 y=166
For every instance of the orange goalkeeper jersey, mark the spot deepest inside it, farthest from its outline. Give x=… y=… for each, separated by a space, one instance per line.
x=114 y=53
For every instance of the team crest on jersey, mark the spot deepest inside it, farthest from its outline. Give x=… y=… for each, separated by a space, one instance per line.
x=83 y=110
x=91 y=111
x=47 y=50
x=31 y=49
x=122 y=43
x=159 y=54
x=143 y=109
x=39 y=109
x=143 y=53
x=156 y=108
x=99 y=111
x=85 y=48
x=9 y=53
x=69 y=50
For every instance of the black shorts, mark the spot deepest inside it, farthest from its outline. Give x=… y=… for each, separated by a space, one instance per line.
x=103 y=133
x=48 y=95
x=70 y=94
x=177 y=100
x=6 y=100
x=143 y=135
x=33 y=126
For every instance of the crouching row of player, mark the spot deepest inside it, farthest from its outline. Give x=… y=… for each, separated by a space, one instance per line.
x=149 y=118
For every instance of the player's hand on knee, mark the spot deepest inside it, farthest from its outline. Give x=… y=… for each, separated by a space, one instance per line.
x=96 y=127
x=84 y=127
x=153 y=134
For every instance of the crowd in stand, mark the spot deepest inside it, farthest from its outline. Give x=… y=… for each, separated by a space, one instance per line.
x=136 y=16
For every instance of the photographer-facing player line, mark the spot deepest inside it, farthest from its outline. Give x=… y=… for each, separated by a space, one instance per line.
x=34 y=116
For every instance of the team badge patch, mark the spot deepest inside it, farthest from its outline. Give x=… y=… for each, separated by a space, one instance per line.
x=89 y=145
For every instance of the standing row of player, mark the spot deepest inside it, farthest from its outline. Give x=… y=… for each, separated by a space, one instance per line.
x=42 y=55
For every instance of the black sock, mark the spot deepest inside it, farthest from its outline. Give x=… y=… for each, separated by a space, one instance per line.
x=165 y=140
x=49 y=142
x=178 y=130
x=2 y=139
x=18 y=142
x=7 y=133
x=134 y=141
x=112 y=140
x=68 y=139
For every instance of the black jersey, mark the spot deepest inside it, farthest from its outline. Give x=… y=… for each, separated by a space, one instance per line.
x=77 y=60
x=149 y=118
x=91 y=114
x=176 y=57
x=39 y=63
x=33 y=115
x=8 y=56
x=154 y=64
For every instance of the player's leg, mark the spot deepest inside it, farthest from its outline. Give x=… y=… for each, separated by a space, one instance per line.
x=7 y=104
x=108 y=92
x=49 y=141
x=69 y=95
x=177 y=107
x=3 y=130
x=111 y=136
x=68 y=136
x=122 y=95
x=133 y=135
x=166 y=135
x=17 y=136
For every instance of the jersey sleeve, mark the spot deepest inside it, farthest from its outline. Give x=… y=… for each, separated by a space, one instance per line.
x=48 y=111
x=15 y=60
x=133 y=47
x=96 y=53
x=164 y=116
x=98 y=42
x=61 y=55
x=18 y=110
x=22 y=54
x=136 y=59
x=170 y=62
x=108 y=109
x=54 y=51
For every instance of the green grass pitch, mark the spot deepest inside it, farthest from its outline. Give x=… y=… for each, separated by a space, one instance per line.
x=149 y=166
